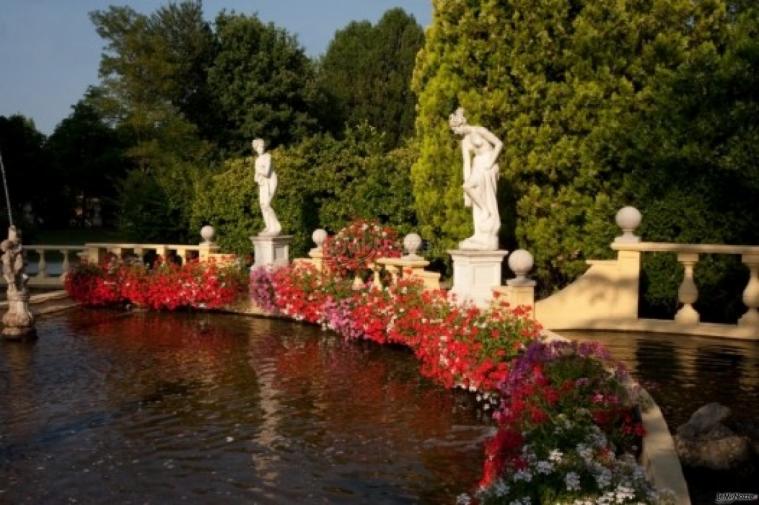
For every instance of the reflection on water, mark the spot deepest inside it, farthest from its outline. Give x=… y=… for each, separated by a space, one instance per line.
x=683 y=373
x=209 y=408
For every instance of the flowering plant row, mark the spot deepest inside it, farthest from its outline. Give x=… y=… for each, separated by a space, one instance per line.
x=355 y=247
x=567 y=431
x=566 y=413
x=164 y=286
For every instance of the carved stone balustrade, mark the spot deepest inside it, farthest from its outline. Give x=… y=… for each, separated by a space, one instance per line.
x=49 y=264
x=411 y=264
x=606 y=296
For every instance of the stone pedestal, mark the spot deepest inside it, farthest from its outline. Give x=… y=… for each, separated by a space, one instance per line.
x=475 y=274
x=18 y=322
x=271 y=251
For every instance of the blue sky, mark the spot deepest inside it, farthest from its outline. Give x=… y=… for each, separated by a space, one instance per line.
x=49 y=51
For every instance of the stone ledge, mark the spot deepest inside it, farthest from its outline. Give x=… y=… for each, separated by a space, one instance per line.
x=47 y=303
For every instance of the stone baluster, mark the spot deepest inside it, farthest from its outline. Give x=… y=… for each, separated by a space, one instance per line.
x=42 y=264
x=117 y=252
x=139 y=253
x=395 y=273
x=182 y=253
x=162 y=251
x=65 y=266
x=751 y=293
x=688 y=292
x=376 y=279
x=358 y=282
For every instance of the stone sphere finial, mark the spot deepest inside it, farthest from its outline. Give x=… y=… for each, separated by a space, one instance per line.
x=411 y=243
x=628 y=219
x=207 y=233
x=521 y=262
x=319 y=236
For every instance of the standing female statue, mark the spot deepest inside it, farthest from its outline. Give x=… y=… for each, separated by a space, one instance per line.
x=266 y=178
x=480 y=149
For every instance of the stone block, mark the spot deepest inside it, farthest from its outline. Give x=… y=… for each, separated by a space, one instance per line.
x=475 y=274
x=271 y=251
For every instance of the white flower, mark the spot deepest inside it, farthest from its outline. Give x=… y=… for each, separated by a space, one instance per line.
x=544 y=467
x=525 y=500
x=522 y=475
x=555 y=456
x=623 y=493
x=585 y=452
x=603 y=477
x=463 y=499
x=501 y=488
x=572 y=480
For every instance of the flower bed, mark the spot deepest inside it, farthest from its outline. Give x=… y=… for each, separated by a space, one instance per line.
x=566 y=416
x=165 y=286
x=352 y=250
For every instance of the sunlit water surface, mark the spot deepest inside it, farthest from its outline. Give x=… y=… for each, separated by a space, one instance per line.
x=179 y=408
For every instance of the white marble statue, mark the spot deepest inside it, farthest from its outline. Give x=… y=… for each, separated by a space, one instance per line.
x=266 y=178
x=480 y=149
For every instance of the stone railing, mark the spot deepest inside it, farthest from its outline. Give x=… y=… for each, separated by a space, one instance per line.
x=47 y=265
x=99 y=252
x=606 y=296
x=411 y=264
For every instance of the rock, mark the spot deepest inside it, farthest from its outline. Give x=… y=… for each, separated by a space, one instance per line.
x=717 y=453
x=704 y=420
x=749 y=429
x=705 y=442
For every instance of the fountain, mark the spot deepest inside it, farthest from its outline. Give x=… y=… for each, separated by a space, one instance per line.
x=18 y=322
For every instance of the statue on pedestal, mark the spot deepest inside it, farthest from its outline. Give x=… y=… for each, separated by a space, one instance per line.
x=18 y=321
x=480 y=149
x=266 y=178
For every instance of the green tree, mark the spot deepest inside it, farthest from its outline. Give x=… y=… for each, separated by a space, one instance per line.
x=263 y=82
x=559 y=81
x=88 y=156
x=694 y=158
x=154 y=67
x=323 y=182
x=153 y=89
x=367 y=73
x=31 y=178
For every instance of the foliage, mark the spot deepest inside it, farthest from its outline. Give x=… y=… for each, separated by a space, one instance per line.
x=323 y=182
x=164 y=286
x=564 y=83
x=88 y=156
x=696 y=165
x=152 y=77
x=154 y=67
x=354 y=248
x=30 y=174
x=567 y=413
x=263 y=82
x=366 y=72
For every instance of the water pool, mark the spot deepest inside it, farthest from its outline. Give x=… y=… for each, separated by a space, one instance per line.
x=109 y=407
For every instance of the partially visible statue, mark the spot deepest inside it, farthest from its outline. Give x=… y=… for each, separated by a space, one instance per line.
x=480 y=149
x=266 y=178
x=18 y=321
